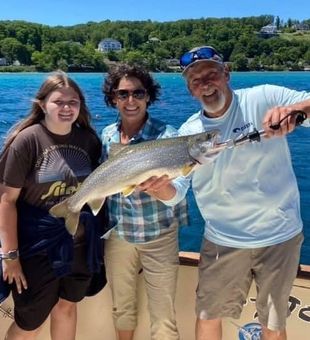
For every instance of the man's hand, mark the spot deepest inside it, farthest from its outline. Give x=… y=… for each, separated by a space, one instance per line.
x=279 y=117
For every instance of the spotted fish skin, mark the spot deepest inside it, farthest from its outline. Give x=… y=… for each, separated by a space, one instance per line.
x=130 y=165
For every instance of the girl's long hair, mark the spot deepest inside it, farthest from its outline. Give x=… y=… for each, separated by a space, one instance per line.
x=55 y=81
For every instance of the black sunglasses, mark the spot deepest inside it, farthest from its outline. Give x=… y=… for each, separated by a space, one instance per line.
x=125 y=94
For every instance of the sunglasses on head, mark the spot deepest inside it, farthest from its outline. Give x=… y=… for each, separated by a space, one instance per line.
x=203 y=53
x=125 y=94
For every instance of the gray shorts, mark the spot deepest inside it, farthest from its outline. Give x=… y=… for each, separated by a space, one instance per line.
x=226 y=274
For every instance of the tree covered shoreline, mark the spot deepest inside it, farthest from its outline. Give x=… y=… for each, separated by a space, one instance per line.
x=32 y=47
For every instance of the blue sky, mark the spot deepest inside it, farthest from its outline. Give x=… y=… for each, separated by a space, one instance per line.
x=71 y=12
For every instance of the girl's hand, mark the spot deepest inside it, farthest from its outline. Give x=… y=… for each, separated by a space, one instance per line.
x=12 y=271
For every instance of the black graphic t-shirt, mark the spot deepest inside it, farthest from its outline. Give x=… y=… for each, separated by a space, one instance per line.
x=49 y=167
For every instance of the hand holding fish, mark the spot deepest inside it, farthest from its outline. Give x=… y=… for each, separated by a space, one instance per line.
x=159 y=187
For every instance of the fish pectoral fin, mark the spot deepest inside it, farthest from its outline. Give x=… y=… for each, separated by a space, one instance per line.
x=187 y=169
x=96 y=205
x=129 y=190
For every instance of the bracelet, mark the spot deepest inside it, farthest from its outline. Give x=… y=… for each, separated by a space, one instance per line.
x=10 y=255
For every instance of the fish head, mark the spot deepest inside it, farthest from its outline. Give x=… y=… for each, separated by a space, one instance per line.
x=202 y=146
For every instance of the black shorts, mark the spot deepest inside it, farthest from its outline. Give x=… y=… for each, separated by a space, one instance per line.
x=33 y=306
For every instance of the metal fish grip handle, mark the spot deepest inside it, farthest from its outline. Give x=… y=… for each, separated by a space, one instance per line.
x=256 y=135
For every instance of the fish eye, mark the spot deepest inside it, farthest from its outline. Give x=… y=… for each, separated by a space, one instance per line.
x=203 y=149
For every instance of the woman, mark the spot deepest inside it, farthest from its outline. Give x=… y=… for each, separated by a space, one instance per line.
x=45 y=158
x=145 y=223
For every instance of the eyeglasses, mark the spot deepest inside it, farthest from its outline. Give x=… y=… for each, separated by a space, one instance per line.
x=202 y=53
x=125 y=94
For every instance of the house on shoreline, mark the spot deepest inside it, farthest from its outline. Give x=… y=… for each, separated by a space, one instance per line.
x=268 y=31
x=109 y=44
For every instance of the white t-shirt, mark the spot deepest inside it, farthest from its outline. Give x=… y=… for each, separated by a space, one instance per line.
x=248 y=196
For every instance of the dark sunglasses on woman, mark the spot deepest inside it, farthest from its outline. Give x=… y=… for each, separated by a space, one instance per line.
x=125 y=94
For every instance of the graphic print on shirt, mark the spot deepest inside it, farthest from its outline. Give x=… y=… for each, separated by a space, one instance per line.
x=61 y=166
x=244 y=127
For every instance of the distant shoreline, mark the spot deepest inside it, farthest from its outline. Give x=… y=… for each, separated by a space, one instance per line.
x=18 y=70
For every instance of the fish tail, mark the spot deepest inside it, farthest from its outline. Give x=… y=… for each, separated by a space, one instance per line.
x=71 y=218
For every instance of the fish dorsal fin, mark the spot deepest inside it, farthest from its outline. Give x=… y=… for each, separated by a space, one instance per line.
x=115 y=148
x=188 y=168
x=128 y=190
x=95 y=205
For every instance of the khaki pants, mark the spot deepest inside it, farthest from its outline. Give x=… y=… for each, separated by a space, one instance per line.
x=159 y=261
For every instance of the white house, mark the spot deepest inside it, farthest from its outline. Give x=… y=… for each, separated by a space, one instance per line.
x=109 y=44
x=269 y=31
x=154 y=40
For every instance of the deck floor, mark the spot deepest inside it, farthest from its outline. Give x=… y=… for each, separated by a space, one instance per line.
x=95 y=321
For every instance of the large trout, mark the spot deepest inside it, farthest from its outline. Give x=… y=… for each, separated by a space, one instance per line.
x=130 y=165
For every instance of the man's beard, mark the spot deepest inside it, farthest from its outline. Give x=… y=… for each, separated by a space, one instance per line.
x=215 y=107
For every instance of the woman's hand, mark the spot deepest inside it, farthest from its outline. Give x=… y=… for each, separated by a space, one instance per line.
x=158 y=187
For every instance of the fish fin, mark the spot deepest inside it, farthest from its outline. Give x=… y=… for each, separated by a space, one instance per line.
x=129 y=190
x=71 y=218
x=72 y=222
x=187 y=169
x=115 y=148
x=96 y=205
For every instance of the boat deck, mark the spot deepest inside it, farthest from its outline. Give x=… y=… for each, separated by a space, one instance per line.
x=95 y=321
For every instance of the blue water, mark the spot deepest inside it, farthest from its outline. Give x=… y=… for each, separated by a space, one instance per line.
x=17 y=90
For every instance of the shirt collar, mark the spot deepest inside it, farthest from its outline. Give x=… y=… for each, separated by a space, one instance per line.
x=143 y=134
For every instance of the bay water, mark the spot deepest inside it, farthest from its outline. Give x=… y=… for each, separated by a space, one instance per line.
x=175 y=106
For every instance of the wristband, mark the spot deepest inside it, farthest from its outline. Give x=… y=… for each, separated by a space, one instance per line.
x=10 y=255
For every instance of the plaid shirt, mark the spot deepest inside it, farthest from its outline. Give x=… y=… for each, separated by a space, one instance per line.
x=139 y=217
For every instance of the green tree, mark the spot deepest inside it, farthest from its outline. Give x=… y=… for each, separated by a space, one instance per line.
x=240 y=63
x=13 y=50
x=42 y=61
x=135 y=57
x=307 y=57
x=254 y=64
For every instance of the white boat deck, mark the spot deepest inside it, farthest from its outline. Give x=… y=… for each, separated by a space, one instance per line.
x=95 y=321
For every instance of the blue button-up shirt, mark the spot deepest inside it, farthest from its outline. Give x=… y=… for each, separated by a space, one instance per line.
x=139 y=217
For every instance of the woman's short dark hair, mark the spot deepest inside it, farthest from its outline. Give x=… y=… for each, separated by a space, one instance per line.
x=120 y=71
